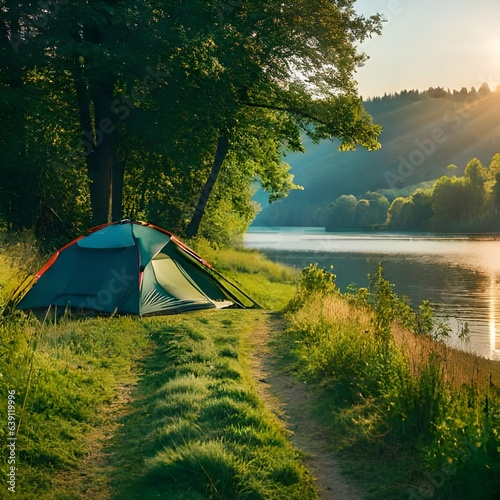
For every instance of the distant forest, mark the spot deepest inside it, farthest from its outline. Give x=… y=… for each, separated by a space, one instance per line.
x=438 y=93
x=468 y=203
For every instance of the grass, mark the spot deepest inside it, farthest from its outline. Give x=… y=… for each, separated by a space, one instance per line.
x=416 y=418
x=62 y=376
x=198 y=428
x=271 y=285
x=166 y=407
x=193 y=425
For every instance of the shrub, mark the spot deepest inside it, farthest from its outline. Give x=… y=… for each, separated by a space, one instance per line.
x=313 y=280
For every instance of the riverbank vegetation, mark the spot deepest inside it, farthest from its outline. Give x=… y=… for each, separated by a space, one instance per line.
x=423 y=419
x=431 y=207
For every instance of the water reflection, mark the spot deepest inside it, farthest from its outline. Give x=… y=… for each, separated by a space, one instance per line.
x=460 y=276
x=494 y=335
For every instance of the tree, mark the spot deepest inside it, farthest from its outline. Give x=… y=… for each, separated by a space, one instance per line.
x=379 y=206
x=476 y=173
x=341 y=214
x=421 y=210
x=396 y=213
x=19 y=196
x=364 y=216
x=484 y=90
x=496 y=198
x=449 y=213
x=295 y=59
x=494 y=166
x=88 y=43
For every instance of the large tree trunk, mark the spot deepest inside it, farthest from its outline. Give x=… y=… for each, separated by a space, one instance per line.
x=220 y=154
x=99 y=149
x=118 y=174
x=100 y=168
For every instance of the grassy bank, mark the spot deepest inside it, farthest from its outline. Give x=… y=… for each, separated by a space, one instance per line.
x=417 y=419
x=192 y=425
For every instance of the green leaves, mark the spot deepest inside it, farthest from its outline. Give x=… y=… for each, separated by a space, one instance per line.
x=144 y=91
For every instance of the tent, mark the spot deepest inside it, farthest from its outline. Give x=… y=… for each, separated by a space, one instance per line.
x=131 y=267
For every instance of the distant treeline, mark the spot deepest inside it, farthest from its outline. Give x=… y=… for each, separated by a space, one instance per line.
x=438 y=93
x=468 y=203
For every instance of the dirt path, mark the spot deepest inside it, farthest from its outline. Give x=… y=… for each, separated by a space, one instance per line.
x=91 y=478
x=293 y=402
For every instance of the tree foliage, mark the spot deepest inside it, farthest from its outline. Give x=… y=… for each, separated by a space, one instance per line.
x=115 y=108
x=469 y=203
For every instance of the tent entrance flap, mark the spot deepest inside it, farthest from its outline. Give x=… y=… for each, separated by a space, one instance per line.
x=164 y=287
x=173 y=280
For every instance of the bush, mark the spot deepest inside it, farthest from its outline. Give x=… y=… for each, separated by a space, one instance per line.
x=394 y=402
x=313 y=280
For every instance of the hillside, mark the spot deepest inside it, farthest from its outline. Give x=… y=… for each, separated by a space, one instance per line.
x=421 y=137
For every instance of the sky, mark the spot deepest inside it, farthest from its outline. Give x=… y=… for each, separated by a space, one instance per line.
x=431 y=43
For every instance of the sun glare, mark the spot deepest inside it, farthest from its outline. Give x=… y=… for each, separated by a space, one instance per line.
x=493 y=52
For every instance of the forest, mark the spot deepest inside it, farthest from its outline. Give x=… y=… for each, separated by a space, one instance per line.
x=171 y=112
x=467 y=203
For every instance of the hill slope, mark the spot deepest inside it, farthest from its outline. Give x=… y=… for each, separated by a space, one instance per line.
x=420 y=138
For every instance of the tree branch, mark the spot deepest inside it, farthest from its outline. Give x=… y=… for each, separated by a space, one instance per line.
x=286 y=109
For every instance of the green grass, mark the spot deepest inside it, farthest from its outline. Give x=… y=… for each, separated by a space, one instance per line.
x=202 y=428
x=62 y=376
x=271 y=285
x=406 y=416
x=410 y=413
x=194 y=428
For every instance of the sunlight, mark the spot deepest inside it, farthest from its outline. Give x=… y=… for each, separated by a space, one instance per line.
x=494 y=341
x=492 y=55
x=495 y=48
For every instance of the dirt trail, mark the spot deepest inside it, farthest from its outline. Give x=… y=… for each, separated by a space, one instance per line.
x=91 y=478
x=293 y=403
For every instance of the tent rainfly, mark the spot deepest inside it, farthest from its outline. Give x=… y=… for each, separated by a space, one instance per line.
x=131 y=267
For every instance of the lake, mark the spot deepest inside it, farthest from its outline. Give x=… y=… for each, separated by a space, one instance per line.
x=459 y=275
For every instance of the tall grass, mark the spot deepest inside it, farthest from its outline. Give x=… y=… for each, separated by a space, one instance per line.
x=271 y=285
x=62 y=374
x=394 y=400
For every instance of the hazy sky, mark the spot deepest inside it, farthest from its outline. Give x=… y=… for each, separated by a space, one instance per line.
x=431 y=43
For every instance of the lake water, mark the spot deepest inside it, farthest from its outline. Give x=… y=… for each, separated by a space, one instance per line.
x=460 y=276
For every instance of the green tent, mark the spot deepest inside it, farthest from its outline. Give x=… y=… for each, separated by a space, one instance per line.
x=131 y=267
